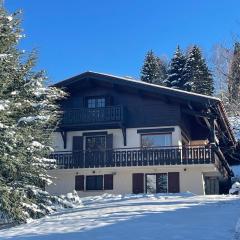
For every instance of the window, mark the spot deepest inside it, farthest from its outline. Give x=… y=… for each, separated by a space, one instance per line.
x=157 y=183
x=156 y=140
x=95 y=143
x=96 y=102
x=99 y=182
x=94 y=182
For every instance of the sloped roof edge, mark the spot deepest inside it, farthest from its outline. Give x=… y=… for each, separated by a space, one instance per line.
x=74 y=79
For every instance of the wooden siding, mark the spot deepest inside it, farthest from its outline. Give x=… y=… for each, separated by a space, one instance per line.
x=141 y=110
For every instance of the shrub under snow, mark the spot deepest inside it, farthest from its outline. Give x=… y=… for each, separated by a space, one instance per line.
x=51 y=205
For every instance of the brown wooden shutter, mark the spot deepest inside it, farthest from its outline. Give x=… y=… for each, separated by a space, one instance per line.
x=77 y=151
x=109 y=147
x=108 y=182
x=79 y=183
x=109 y=141
x=173 y=182
x=138 y=183
x=77 y=144
x=109 y=100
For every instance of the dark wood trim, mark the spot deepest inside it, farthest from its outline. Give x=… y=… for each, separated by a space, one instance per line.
x=79 y=182
x=108 y=181
x=87 y=134
x=156 y=130
x=212 y=130
x=127 y=157
x=199 y=114
x=64 y=138
x=137 y=183
x=124 y=133
x=185 y=135
x=173 y=182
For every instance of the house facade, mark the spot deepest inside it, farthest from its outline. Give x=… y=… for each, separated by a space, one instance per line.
x=119 y=135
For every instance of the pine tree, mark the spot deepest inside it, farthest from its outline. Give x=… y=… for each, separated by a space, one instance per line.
x=197 y=76
x=28 y=116
x=234 y=75
x=154 y=69
x=162 y=64
x=175 y=71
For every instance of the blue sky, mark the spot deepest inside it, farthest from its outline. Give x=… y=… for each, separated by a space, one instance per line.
x=109 y=36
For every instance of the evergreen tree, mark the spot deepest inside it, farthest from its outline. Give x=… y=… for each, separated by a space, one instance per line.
x=234 y=75
x=162 y=63
x=28 y=116
x=197 y=76
x=154 y=69
x=175 y=71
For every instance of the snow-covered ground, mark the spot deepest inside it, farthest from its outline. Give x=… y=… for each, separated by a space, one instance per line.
x=143 y=217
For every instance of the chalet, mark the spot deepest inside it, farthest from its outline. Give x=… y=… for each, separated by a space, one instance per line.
x=119 y=135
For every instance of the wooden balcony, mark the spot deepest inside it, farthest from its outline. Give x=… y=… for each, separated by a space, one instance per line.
x=93 y=116
x=129 y=157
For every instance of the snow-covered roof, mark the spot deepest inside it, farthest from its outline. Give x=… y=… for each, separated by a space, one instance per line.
x=139 y=82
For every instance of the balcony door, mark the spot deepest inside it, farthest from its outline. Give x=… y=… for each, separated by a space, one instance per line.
x=156 y=183
x=162 y=182
x=95 y=143
x=95 y=147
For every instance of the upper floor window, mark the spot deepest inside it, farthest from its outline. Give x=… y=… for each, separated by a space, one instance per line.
x=156 y=140
x=96 y=102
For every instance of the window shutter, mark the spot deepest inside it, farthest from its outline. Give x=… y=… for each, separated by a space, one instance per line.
x=109 y=141
x=173 y=182
x=79 y=183
x=109 y=147
x=137 y=183
x=109 y=100
x=108 y=182
x=77 y=151
x=77 y=144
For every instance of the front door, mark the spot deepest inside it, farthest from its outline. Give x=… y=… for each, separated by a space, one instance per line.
x=211 y=185
x=95 y=147
x=156 y=183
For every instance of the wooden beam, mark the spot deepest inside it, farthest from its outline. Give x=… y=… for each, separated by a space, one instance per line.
x=124 y=136
x=212 y=130
x=64 y=138
x=198 y=114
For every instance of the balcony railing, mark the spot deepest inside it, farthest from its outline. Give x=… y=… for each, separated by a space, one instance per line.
x=129 y=157
x=83 y=116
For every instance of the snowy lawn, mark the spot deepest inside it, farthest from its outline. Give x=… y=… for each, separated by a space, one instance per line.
x=144 y=217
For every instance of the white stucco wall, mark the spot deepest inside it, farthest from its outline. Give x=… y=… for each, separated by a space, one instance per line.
x=133 y=138
x=191 y=178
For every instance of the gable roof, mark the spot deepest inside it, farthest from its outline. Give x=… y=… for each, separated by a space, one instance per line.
x=170 y=92
x=135 y=83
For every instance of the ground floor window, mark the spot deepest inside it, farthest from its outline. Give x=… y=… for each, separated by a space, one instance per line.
x=94 y=182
